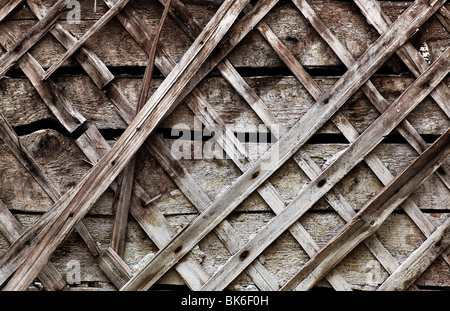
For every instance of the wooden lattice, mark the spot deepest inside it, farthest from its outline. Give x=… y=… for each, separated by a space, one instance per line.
x=115 y=162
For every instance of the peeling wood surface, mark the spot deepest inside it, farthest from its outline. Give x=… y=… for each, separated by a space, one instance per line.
x=360 y=90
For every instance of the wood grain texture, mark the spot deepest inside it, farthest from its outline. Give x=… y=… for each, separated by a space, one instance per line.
x=182 y=73
x=31 y=37
x=290 y=142
x=369 y=219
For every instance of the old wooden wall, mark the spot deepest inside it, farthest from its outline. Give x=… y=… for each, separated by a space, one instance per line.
x=58 y=151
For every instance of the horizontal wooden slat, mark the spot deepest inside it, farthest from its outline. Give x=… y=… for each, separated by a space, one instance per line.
x=343 y=17
x=179 y=77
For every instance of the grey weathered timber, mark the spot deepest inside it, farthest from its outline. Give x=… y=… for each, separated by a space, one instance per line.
x=9 y=7
x=92 y=31
x=143 y=95
x=118 y=274
x=154 y=223
x=90 y=62
x=285 y=147
x=196 y=195
x=11 y=229
x=30 y=38
x=419 y=260
x=404 y=128
x=410 y=56
x=370 y=218
x=68 y=211
x=59 y=104
x=187 y=270
x=211 y=119
x=336 y=170
x=417 y=64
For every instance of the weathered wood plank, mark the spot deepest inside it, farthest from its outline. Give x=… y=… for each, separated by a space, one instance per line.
x=197 y=196
x=58 y=104
x=410 y=56
x=65 y=164
x=92 y=31
x=332 y=174
x=342 y=123
x=419 y=260
x=146 y=81
x=289 y=101
x=63 y=209
x=8 y=8
x=150 y=218
x=118 y=274
x=284 y=148
x=11 y=230
x=30 y=38
x=211 y=119
x=282 y=259
x=370 y=218
x=90 y=62
x=343 y=17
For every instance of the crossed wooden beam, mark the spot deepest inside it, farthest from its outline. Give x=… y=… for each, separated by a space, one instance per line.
x=71 y=207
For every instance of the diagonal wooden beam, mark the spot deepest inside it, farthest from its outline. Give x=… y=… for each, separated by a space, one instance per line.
x=400 y=31
x=92 y=31
x=59 y=105
x=31 y=37
x=11 y=230
x=334 y=172
x=202 y=109
x=198 y=198
x=37 y=244
x=339 y=119
x=127 y=176
x=417 y=64
x=371 y=217
x=149 y=218
x=444 y=17
x=8 y=8
x=410 y=56
x=90 y=62
x=419 y=260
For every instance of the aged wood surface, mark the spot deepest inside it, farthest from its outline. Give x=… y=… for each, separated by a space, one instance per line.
x=30 y=38
x=336 y=170
x=339 y=148
x=182 y=74
x=290 y=142
x=373 y=214
x=296 y=35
